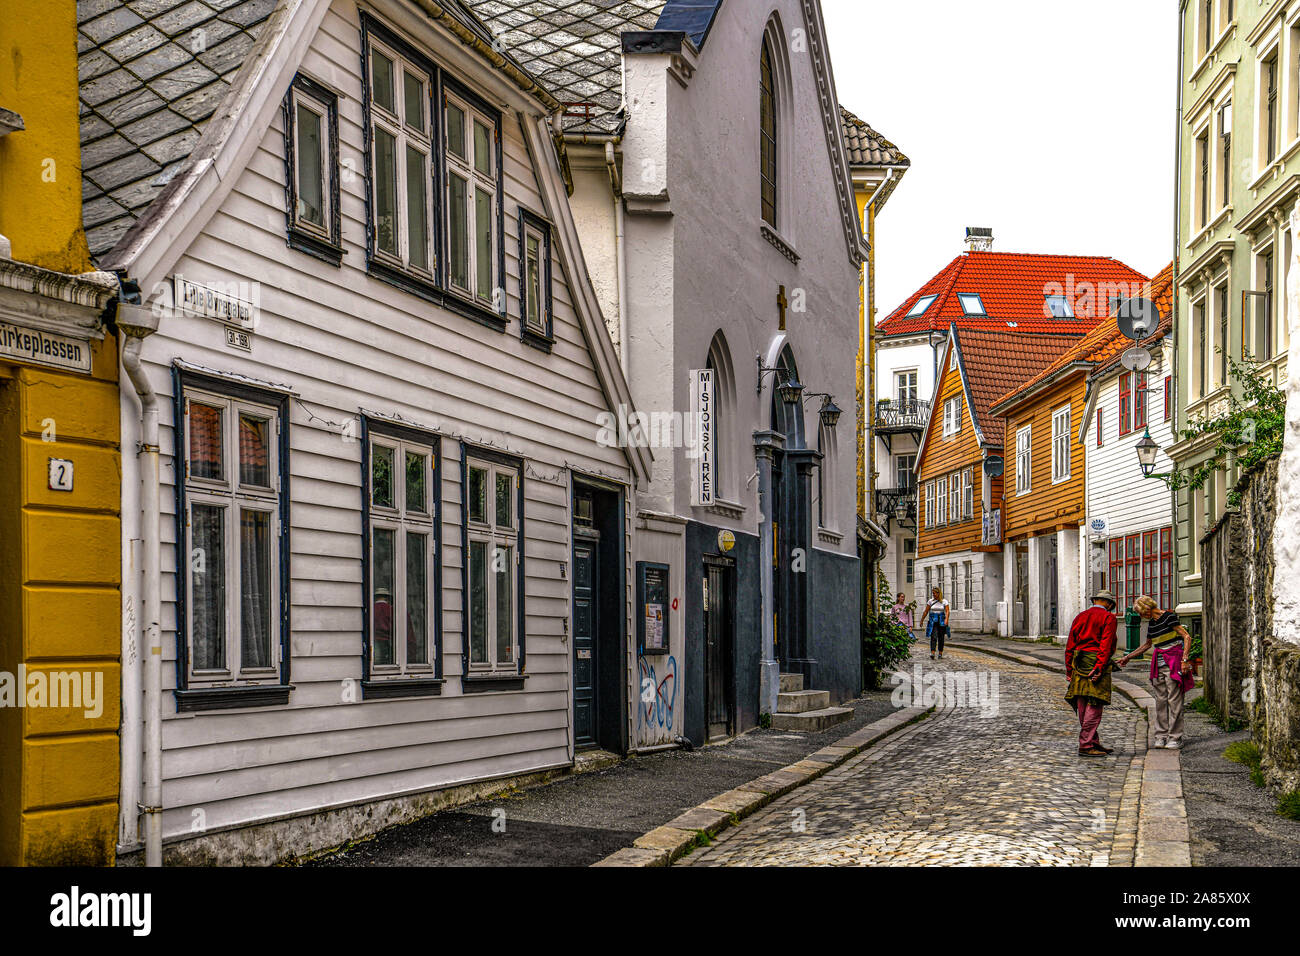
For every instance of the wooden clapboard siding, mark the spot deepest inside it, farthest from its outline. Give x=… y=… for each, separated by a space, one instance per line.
x=344 y=342
x=1047 y=506
x=943 y=457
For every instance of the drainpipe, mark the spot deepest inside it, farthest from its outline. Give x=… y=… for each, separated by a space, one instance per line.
x=137 y=323
x=620 y=249
x=1178 y=213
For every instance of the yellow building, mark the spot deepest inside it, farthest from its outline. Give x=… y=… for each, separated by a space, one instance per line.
x=877 y=167
x=60 y=492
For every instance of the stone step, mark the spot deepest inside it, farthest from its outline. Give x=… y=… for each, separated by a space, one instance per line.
x=791 y=683
x=812 y=720
x=802 y=701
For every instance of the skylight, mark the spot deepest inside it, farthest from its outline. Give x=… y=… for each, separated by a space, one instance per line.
x=1058 y=307
x=922 y=304
x=971 y=304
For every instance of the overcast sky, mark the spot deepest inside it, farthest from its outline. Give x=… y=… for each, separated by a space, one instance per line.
x=1051 y=122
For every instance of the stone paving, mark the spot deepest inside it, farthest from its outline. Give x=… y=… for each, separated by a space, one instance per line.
x=969 y=785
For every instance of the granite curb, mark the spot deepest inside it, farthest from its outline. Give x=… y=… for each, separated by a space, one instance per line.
x=1163 y=838
x=662 y=845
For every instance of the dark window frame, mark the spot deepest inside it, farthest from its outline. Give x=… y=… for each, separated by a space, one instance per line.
x=440 y=82
x=545 y=338
x=471 y=684
x=769 y=139
x=231 y=696
x=327 y=248
x=418 y=685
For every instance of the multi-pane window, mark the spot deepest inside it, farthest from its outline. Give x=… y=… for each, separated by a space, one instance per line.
x=1225 y=139
x=1140 y=391
x=767 y=107
x=1203 y=180
x=312 y=185
x=1202 y=357
x=1125 y=403
x=905 y=385
x=1061 y=444
x=905 y=471
x=401 y=160
x=1132 y=569
x=232 y=527
x=1222 y=293
x=1151 y=563
x=1115 y=582
x=402 y=538
x=955 y=498
x=471 y=151
x=535 y=275
x=1166 y=568
x=951 y=416
x=941 y=501
x=1169 y=397
x=1270 y=117
x=930 y=514
x=967 y=585
x=968 y=492
x=1024 y=480
x=492 y=519
x=1100 y=433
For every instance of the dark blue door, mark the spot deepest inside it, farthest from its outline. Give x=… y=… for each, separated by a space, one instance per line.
x=586 y=603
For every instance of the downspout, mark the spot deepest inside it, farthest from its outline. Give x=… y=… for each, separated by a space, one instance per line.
x=1178 y=213
x=137 y=323
x=620 y=249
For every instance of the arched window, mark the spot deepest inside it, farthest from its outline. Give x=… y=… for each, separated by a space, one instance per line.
x=826 y=503
x=768 y=125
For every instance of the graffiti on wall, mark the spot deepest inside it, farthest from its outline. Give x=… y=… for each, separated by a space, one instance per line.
x=658 y=695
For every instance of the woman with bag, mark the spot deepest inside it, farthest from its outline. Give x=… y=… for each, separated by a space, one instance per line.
x=936 y=621
x=1171 y=669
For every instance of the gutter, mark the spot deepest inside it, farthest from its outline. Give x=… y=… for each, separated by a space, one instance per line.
x=1004 y=405
x=136 y=323
x=1173 y=310
x=620 y=249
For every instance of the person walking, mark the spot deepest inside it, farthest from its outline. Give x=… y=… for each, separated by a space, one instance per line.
x=902 y=613
x=936 y=621
x=1171 y=669
x=1088 y=665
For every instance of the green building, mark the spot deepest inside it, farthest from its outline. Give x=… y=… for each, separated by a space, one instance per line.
x=1238 y=183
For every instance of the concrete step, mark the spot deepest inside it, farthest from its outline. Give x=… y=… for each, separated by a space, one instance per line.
x=791 y=683
x=802 y=701
x=813 y=720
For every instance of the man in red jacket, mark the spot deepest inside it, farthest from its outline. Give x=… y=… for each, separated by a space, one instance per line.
x=1088 y=665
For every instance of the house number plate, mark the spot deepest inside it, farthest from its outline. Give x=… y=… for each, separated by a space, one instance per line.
x=60 y=474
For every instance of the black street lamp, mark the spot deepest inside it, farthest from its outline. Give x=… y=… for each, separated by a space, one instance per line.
x=791 y=390
x=1146 y=449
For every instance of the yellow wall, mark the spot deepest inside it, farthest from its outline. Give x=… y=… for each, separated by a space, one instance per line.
x=60 y=608
x=40 y=166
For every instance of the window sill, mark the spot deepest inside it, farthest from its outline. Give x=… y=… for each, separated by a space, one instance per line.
x=777 y=242
x=418 y=286
x=231 y=698
x=401 y=687
x=316 y=246
x=492 y=682
x=726 y=509
x=538 y=340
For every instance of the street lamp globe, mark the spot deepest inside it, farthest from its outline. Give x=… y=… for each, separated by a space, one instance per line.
x=1146 y=449
x=830 y=413
x=791 y=390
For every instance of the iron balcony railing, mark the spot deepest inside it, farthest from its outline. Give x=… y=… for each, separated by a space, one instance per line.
x=992 y=526
x=895 y=415
x=897 y=505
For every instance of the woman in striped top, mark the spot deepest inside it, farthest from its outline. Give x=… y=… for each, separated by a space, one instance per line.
x=1171 y=669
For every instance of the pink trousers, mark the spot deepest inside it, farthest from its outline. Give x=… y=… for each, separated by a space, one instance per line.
x=1089 y=721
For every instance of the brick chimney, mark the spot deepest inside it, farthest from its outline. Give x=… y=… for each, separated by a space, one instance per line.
x=979 y=239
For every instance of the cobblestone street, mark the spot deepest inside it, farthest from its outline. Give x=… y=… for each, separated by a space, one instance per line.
x=963 y=787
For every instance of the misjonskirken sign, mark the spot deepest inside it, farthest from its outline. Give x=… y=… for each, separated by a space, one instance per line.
x=702 y=413
x=45 y=348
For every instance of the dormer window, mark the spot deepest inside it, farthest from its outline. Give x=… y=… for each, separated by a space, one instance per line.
x=1059 y=307
x=922 y=304
x=971 y=304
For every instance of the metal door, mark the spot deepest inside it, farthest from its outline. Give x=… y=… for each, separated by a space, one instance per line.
x=718 y=627
x=586 y=604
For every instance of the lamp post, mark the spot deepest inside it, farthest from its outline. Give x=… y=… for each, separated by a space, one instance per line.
x=1146 y=450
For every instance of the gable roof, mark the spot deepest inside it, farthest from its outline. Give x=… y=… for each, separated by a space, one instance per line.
x=1100 y=348
x=574 y=46
x=990 y=364
x=865 y=146
x=1013 y=287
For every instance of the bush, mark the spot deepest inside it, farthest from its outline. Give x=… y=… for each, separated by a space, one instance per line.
x=885 y=644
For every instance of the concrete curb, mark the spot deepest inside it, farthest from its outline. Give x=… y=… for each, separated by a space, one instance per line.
x=1163 y=837
x=662 y=845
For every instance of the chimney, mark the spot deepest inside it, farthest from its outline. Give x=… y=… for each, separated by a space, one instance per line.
x=979 y=239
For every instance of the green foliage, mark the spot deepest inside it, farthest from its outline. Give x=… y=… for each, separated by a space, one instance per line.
x=886 y=643
x=1202 y=705
x=765 y=721
x=1247 y=754
x=1289 y=805
x=1248 y=431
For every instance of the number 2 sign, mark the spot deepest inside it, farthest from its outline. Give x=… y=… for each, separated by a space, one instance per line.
x=60 y=474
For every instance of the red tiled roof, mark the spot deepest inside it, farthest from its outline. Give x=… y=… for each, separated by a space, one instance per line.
x=1104 y=344
x=1013 y=287
x=998 y=362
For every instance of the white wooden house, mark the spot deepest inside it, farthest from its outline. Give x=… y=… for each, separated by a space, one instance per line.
x=380 y=367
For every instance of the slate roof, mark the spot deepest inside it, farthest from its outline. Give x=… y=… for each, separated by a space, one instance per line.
x=1013 y=288
x=999 y=362
x=1103 y=346
x=573 y=47
x=865 y=146
x=151 y=72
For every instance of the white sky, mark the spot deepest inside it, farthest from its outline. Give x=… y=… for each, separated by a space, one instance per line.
x=1051 y=122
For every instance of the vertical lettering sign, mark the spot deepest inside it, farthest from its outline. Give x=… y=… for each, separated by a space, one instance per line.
x=704 y=419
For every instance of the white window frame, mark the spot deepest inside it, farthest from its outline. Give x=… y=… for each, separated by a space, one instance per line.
x=494 y=536
x=952 y=415
x=941 y=501
x=955 y=498
x=232 y=495
x=1061 y=444
x=1024 y=460
x=475 y=181
x=967 y=585
x=907 y=385
x=929 y=505
x=405 y=135
x=402 y=520
x=968 y=492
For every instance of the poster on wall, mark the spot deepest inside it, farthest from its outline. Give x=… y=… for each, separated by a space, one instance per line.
x=652 y=603
x=704 y=420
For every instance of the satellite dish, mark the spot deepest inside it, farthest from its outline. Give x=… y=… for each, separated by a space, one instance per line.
x=1138 y=318
x=1136 y=359
x=993 y=466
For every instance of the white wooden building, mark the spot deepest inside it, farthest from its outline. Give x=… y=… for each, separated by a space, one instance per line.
x=380 y=369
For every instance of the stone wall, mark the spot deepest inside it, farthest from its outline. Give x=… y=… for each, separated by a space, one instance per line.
x=1225 y=629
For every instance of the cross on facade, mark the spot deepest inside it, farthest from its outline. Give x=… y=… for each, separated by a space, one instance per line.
x=783 y=303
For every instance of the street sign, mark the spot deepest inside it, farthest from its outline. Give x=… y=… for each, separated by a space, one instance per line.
x=1138 y=318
